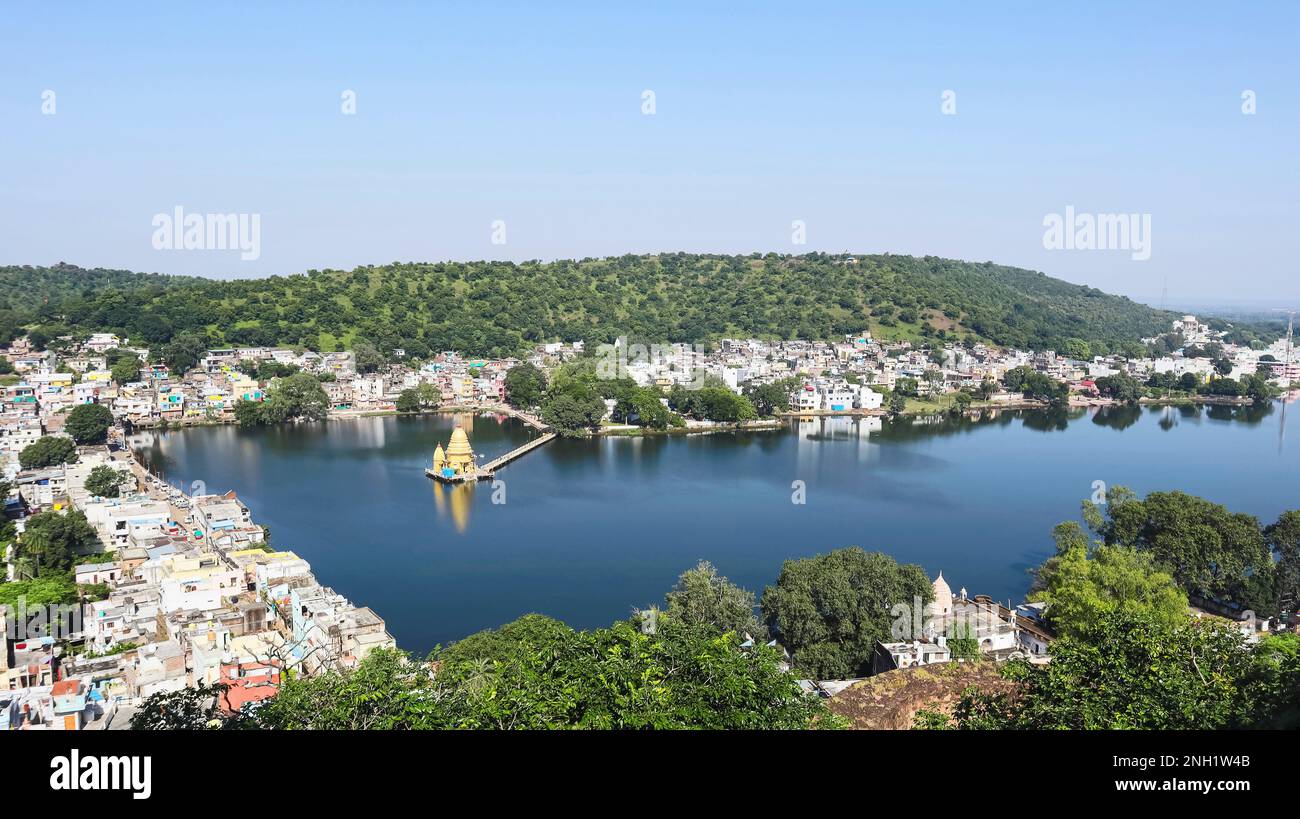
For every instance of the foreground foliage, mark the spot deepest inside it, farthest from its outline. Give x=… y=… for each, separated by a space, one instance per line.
x=1127 y=671
x=535 y=673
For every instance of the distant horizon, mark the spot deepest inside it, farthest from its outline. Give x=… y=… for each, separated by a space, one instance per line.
x=1174 y=304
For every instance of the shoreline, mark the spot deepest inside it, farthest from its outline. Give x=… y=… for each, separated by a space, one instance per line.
x=776 y=422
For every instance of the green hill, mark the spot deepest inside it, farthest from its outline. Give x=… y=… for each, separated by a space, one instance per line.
x=497 y=308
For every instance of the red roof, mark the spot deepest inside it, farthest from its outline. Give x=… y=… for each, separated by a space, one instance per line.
x=63 y=688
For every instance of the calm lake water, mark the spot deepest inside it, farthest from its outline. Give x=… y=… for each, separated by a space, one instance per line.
x=592 y=528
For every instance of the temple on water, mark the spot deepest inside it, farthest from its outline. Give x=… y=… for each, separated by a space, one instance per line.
x=456 y=463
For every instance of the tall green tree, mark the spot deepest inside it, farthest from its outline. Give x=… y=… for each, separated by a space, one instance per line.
x=126 y=369
x=525 y=386
x=1283 y=538
x=89 y=423
x=105 y=481
x=705 y=598
x=298 y=396
x=182 y=353
x=829 y=610
x=48 y=450
x=1212 y=553
x=1081 y=584
x=51 y=543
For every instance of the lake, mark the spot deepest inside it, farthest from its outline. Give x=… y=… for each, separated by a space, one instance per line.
x=590 y=529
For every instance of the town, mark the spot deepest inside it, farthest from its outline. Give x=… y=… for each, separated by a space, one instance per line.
x=127 y=586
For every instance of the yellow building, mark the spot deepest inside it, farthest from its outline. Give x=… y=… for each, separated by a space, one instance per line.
x=458 y=459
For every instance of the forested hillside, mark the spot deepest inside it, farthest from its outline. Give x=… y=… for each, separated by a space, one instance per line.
x=498 y=308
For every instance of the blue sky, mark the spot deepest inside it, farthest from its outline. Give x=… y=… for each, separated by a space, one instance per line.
x=765 y=114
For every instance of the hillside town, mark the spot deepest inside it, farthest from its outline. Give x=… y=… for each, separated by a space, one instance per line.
x=178 y=589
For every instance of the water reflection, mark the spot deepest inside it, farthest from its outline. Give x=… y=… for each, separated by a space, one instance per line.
x=1248 y=414
x=453 y=503
x=1118 y=416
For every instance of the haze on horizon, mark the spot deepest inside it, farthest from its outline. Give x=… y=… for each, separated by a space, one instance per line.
x=830 y=114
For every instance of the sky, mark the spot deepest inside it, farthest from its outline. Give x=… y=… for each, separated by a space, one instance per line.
x=522 y=131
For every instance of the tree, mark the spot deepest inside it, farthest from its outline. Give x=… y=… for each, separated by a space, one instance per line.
x=49 y=589
x=525 y=386
x=51 y=542
x=704 y=597
x=897 y=403
x=1275 y=682
x=572 y=415
x=48 y=450
x=769 y=399
x=367 y=357
x=1035 y=385
x=1126 y=671
x=964 y=643
x=1283 y=539
x=829 y=610
x=182 y=353
x=89 y=423
x=1211 y=552
x=1077 y=348
x=126 y=370
x=1258 y=388
x=641 y=406
x=501 y=309
x=1080 y=585
x=187 y=709
x=537 y=673
x=248 y=413
x=1121 y=386
x=296 y=396
x=428 y=395
x=712 y=403
x=105 y=481
x=408 y=400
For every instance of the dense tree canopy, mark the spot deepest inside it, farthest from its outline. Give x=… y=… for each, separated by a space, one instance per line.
x=705 y=598
x=296 y=397
x=1127 y=671
x=498 y=308
x=1212 y=553
x=105 y=481
x=829 y=610
x=1083 y=582
x=52 y=542
x=525 y=385
x=536 y=673
x=89 y=423
x=126 y=369
x=1033 y=384
x=47 y=450
x=1283 y=538
x=419 y=399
